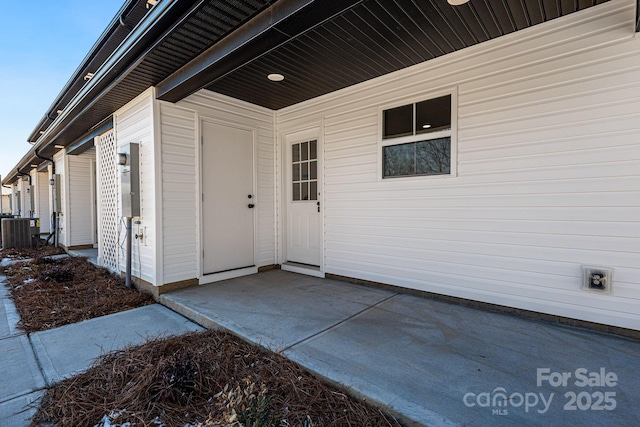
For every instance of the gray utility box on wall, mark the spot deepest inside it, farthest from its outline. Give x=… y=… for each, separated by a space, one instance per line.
x=128 y=159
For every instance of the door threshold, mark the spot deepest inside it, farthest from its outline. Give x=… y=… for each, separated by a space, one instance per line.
x=229 y=274
x=309 y=270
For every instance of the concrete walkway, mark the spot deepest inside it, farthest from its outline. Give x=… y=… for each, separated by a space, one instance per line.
x=30 y=363
x=433 y=363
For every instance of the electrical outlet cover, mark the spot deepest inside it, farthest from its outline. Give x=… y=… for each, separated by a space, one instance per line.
x=597 y=279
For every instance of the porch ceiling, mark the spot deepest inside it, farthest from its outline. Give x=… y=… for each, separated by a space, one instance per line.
x=320 y=46
x=364 y=40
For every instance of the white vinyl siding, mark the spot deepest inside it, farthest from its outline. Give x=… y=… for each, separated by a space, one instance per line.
x=60 y=161
x=180 y=226
x=79 y=200
x=134 y=123
x=548 y=172
x=43 y=189
x=226 y=110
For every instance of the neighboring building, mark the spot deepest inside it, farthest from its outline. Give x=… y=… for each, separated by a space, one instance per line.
x=475 y=152
x=6 y=207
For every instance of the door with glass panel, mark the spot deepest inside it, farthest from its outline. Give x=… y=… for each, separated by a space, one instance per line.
x=303 y=206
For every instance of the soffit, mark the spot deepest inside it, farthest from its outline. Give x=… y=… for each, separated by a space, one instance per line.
x=377 y=37
x=367 y=40
x=205 y=24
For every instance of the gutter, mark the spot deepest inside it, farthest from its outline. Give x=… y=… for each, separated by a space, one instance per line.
x=150 y=31
x=104 y=38
x=130 y=52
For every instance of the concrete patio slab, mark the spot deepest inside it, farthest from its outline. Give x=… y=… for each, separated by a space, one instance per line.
x=90 y=254
x=276 y=309
x=19 y=371
x=68 y=350
x=17 y=412
x=433 y=363
x=422 y=357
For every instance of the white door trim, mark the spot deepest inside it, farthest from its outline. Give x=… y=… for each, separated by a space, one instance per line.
x=204 y=278
x=287 y=136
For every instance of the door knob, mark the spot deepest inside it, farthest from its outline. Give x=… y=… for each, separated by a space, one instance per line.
x=250 y=196
x=250 y=205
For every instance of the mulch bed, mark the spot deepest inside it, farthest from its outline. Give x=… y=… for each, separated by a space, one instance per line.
x=51 y=292
x=24 y=253
x=202 y=379
x=208 y=379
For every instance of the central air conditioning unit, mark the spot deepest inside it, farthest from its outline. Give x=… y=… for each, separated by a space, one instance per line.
x=3 y=216
x=16 y=233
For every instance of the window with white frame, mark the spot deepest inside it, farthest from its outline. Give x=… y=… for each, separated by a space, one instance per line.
x=416 y=138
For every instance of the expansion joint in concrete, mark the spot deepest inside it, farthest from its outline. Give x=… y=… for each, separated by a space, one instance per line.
x=335 y=325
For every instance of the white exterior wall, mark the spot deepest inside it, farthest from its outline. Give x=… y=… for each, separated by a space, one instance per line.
x=42 y=190
x=60 y=160
x=25 y=205
x=14 y=198
x=79 y=199
x=6 y=203
x=180 y=179
x=134 y=123
x=170 y=205
x=548 y=172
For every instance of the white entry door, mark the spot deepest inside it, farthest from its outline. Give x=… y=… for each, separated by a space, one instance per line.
x=304 y=244
x=227 y=198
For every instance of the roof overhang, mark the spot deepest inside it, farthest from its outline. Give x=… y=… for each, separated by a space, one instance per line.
x=85 y=142
x=127 y=17
x=272 y=28
x=229 y=46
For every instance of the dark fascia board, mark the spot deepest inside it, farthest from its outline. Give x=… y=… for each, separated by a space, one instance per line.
x=85 y=142
x=276 y=25
x=154 y=27
x=81 y=70
x=77 y=147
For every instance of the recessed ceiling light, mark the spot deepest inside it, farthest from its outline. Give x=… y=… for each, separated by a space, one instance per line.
x=275 y=77
x=59 y=147
x=41 y=132
x=426 y=126
x=457 y=2
x=33 y=165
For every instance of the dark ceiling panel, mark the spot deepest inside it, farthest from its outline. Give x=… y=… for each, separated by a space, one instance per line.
x=535 y=11
x=552 y=8
x=370 y=39
x=374 y=38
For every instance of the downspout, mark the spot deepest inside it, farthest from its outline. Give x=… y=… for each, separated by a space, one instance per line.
x=54 y=214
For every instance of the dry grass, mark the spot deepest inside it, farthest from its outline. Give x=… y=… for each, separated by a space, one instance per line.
x=53 y=292
x=210 y=379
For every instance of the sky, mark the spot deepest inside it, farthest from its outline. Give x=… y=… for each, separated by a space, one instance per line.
x=42 y=42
